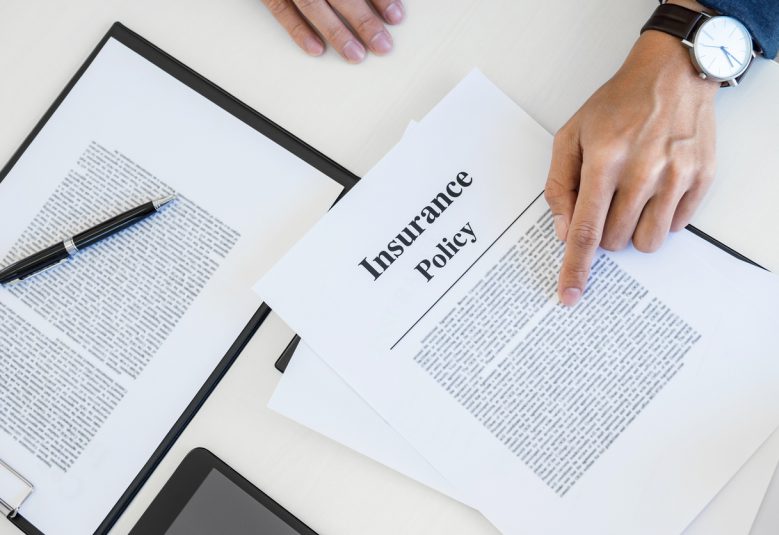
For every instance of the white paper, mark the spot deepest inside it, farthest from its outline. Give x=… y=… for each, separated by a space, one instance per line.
x=733 y=509
x=332 y=408
x=767 y=521
x=747 y=126
x=143 y=127
x=662 y=467
x=313 y=395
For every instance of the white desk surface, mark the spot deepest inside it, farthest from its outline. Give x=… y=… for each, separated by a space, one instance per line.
x=549 y=56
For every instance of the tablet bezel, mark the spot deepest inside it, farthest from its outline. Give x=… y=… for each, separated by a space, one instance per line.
x=185 y=482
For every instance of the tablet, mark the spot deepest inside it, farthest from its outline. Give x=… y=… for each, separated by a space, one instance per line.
x=205 y=496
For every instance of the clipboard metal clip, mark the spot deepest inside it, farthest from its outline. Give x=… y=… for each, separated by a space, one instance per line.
x=14 y=490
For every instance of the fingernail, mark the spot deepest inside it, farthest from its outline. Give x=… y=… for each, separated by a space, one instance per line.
x=560 y=227
x=570 y=296
x=381 y=43
x=313 y=46
x=394 y=13
x=354 y=52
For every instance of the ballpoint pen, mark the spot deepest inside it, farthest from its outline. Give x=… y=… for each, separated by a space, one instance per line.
x=61 y=252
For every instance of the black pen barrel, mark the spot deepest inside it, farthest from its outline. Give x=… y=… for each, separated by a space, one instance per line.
x=45 y=259
x=59 y=252
x=113 y=225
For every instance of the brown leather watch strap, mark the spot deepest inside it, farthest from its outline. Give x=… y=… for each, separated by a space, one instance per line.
x=675 y=20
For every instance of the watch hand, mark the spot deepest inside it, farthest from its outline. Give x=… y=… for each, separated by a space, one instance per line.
x=727 y=57
x=731 y=55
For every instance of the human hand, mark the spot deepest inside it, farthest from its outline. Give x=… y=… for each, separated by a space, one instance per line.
x=635 y=161
x=304 y=18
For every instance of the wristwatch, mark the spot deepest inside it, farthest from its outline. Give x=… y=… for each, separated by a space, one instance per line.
x=721 y=48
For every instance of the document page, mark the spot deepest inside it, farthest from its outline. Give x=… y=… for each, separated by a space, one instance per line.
x=312 y=394
x=100 y=355
x=625 y=414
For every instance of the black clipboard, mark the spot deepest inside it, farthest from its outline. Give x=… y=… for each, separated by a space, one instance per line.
x=254 y=120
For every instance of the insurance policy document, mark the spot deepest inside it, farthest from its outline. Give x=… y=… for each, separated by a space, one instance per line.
x=101 y=355
x=430 y=289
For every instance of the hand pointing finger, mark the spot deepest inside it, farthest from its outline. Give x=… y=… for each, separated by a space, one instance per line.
x=584 y=234
x=644 y=146
x=562 y=183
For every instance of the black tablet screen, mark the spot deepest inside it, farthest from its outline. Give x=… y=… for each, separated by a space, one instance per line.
x=220 y=506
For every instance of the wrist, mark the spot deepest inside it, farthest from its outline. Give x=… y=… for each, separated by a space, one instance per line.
x=661 y=58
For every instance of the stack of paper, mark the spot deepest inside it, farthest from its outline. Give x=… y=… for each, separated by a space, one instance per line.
x=426 y=299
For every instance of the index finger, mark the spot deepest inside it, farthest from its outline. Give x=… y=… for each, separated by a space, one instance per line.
x=585 y=232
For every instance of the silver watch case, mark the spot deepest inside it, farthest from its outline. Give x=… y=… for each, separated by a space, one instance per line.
x=732 y=82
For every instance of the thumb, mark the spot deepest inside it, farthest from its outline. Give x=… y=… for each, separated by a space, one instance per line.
x=562 y=184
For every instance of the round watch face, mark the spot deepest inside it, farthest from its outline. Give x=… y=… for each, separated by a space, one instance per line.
x=722 y=48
